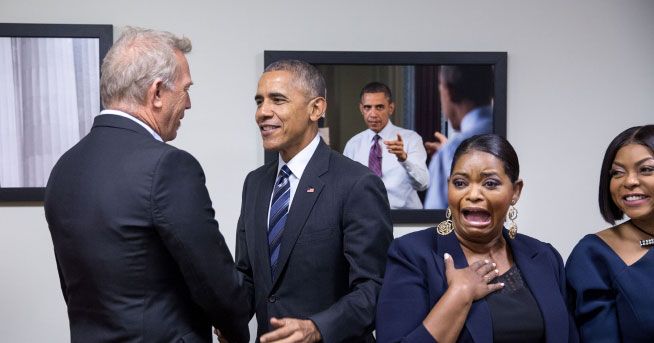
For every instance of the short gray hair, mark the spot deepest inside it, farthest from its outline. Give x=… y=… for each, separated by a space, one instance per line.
x=136 y=60
x=307 y=75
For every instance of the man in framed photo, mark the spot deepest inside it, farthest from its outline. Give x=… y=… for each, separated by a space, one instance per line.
x=395 y=154
x=466 y=94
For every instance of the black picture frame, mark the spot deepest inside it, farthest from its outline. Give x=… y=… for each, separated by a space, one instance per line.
x=104 y=33
x=497 y=59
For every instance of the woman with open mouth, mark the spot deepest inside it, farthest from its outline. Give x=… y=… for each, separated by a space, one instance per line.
x=470 y=279
x=611 y=273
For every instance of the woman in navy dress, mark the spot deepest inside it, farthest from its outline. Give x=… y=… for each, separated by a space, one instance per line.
x=611 y=273
x=470 y=279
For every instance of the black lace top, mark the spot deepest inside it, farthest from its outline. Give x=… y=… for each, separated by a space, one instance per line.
x=514 y=311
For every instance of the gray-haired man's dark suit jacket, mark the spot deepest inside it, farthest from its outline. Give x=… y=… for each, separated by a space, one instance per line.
x=139 y=253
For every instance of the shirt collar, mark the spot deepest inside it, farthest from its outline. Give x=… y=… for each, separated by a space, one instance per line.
x=299 y=162
x=387 y=133
x=131 y=117
x=473 y=117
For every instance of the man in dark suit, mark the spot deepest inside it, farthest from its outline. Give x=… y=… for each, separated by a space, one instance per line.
x=314 y=225
x=139 y=253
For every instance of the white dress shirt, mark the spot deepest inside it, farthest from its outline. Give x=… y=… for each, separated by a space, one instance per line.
x=296 y=165
x=402 y=179
x=131 y=117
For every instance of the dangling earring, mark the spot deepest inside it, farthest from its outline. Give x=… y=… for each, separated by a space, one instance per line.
x=446 y=226
x=513 y=227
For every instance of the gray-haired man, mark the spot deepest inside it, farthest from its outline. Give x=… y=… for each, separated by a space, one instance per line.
x=139 y=253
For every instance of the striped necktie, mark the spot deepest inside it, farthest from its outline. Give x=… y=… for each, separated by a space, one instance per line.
x=278 y=213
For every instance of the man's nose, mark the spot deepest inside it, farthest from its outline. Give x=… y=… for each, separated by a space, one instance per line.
x=263 y=111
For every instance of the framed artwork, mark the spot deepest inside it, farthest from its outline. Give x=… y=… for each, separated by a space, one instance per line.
x=50 y=86
x=413 y=78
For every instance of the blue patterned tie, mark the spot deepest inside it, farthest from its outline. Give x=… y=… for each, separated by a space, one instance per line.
x=278 y=213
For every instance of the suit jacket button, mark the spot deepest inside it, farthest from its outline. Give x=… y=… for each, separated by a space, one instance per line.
x=272 y=299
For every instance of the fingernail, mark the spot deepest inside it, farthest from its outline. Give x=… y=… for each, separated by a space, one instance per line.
x=446 y=256
x=486 y=261
x=502 y=284
x=497 y=271
x=494 y=265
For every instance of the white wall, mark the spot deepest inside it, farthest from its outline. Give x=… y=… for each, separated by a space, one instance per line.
x=579 y=73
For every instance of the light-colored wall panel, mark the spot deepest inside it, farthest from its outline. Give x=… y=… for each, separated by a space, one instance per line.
x=578 y=73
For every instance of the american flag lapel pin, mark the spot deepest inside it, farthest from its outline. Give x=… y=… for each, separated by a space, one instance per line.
x=311 y=190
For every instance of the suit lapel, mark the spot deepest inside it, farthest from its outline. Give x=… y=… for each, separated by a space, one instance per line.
x=538 y=274
x=449 y=244
x=478 y=323
x=264 y=192
x=306 y=194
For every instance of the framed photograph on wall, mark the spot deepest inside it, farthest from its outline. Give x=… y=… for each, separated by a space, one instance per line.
x=413 y=78
x=50 y=86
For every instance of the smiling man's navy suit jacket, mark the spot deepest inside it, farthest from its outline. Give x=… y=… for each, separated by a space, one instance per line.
x=333 y=248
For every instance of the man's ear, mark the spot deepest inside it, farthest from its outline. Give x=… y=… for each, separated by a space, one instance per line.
x=153 y=96
x=446 y=92
x=361 y=108
x=391 y=108
x=317 y=108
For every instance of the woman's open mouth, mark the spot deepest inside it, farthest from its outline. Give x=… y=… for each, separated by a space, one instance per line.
x=477 y=217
